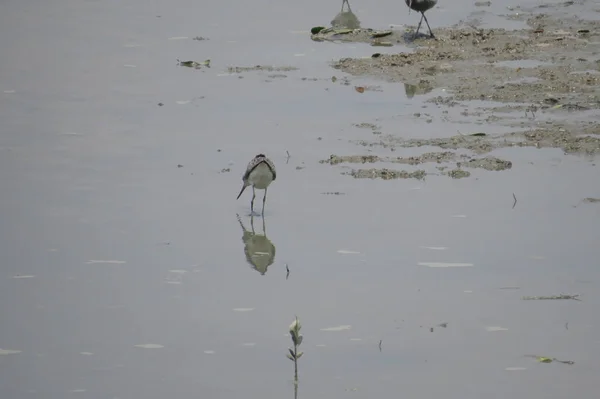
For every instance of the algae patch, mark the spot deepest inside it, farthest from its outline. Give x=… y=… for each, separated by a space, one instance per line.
x=489 y=163
x=386 y=174
x=262 y=68
x=457 y=173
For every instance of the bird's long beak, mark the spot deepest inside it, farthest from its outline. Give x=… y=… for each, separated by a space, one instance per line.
x=243 y=188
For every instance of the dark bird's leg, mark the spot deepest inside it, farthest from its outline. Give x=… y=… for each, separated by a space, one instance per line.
x=427 y=22
x=264 y=200
x=419 y=26
x=252 y=223
x=345 y=2
x=252 y=202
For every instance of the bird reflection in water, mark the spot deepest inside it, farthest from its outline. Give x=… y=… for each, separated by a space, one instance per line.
x=345 y=19
x=259 y=250
x=411 y=90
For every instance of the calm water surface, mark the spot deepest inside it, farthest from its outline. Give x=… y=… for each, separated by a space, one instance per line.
x=123 y=275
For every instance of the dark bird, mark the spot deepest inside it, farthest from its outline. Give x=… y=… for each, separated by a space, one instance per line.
x=422 y=6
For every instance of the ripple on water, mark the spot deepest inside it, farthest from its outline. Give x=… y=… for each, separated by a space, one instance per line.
x=444 y=264
x=9 y=351
x=337 y=328
x=149 y=346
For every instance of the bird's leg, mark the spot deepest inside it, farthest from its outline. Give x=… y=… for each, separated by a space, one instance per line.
x=419 y=26
x=427 y=22
x=252 y=202
x=252 y=223
x=345 y=2
x=264 y=200
x=264 y=228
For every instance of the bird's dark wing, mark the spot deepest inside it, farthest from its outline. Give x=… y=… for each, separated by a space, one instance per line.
x=257 y=161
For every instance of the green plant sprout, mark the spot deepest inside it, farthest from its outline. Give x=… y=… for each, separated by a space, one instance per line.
x=294 y=354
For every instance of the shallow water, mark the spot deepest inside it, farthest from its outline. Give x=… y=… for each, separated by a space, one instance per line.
x=120 y=247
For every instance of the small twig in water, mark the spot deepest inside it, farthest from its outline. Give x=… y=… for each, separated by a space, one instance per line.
x=544 y=359
x=287 y=269
x=570 y=362
x=380 y=341
x=515 y=203
x=567 y=325
x=288 y=156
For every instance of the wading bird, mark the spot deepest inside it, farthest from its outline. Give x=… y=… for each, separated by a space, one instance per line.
x=259 y=174
x=421 y=6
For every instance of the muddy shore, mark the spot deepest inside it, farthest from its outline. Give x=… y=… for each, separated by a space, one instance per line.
x=542 y=82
